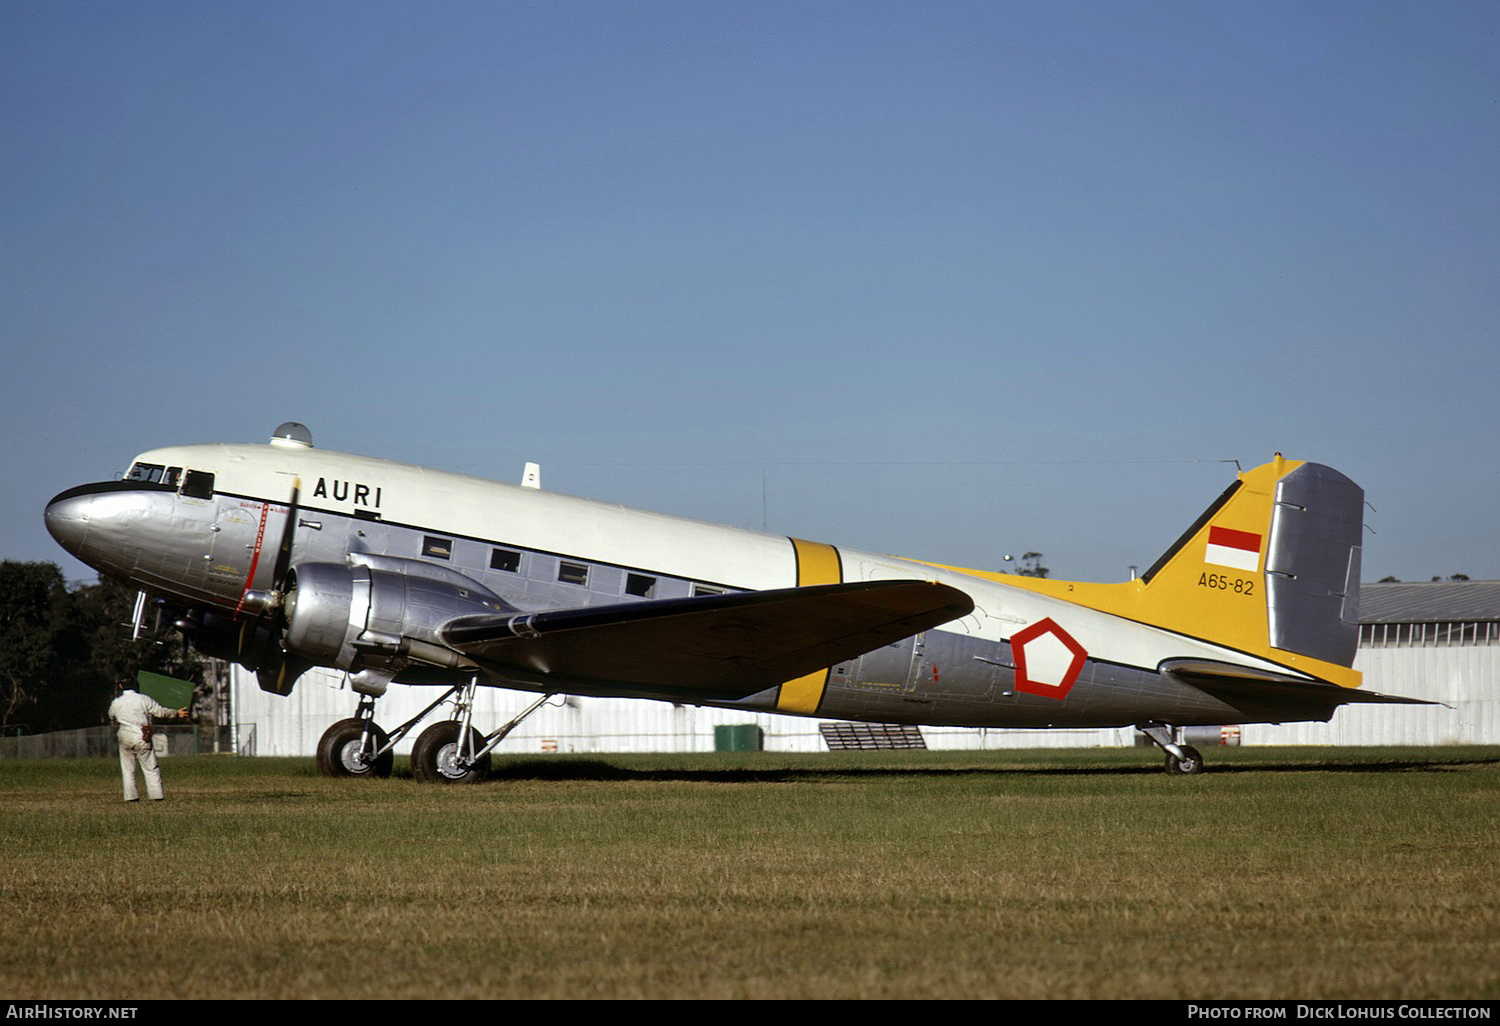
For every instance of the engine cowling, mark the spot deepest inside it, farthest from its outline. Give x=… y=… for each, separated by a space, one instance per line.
x=374 y=621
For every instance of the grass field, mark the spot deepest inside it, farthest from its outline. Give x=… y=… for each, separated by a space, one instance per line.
x=1281 y=873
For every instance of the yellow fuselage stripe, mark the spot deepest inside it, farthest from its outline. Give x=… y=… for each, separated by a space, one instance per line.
x=816 y=564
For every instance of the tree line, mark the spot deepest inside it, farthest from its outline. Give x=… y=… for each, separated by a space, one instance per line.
x=62 y=649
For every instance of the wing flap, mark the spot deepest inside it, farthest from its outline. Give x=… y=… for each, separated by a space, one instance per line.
x=714 y=645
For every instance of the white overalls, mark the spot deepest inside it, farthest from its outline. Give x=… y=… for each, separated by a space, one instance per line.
x=132 y=711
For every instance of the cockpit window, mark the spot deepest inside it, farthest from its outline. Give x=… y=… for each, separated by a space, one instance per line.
x=148 y=472
x=198 y=484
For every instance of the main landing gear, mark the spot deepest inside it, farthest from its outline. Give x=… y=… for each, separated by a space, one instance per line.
x=356 y=747
x=1182 y=760
x=448 y=752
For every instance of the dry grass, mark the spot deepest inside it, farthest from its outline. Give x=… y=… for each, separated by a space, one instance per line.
x=1282 y=873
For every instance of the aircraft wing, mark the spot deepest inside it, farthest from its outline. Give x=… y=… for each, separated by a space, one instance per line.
x=1268 y=694
x=724 y=646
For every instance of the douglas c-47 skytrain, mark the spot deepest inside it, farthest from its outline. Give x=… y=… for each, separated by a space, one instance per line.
x=283 y=557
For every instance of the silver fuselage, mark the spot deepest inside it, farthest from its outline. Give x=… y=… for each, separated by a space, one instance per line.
x=204 y=535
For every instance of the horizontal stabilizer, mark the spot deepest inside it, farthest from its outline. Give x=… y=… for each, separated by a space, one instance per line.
x=715 y=646
x=1260 y=693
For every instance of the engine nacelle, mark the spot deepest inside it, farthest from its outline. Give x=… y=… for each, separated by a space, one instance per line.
x=381 y=619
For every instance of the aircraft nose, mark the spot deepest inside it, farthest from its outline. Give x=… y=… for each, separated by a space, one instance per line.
x=105 y=525
x=67 y=519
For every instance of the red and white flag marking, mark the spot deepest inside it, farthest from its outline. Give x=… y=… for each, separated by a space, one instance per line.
x=1237 y=549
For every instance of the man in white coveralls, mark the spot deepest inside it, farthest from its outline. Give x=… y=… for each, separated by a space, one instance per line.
x=131 y=712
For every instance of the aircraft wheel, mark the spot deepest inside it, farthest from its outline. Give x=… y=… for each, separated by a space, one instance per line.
x=339 y=753
x=1189 y=764
x=434 y=758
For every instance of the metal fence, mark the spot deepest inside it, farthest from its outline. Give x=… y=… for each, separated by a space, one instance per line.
x=92 y=742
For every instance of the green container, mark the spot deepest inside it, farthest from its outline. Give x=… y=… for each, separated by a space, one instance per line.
x=738 y=737
x=168 y=691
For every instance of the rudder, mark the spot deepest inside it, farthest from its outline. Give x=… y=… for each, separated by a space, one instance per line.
x=1312 y=564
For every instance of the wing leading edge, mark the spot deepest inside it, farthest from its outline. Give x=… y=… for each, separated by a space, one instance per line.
x=715 y=646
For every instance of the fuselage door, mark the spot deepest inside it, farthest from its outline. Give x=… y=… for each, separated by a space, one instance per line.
x=235 y=532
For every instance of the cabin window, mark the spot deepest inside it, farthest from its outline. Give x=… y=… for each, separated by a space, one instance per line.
x=707 y=589
x=505 y=559
x=437 y=548
x=198 y=484
x=573 y=573
x=640 y=584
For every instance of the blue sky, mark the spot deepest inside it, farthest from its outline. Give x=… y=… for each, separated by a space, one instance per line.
x=949 y=280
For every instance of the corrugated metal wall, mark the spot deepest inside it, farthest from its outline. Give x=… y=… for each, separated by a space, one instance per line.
x=1466 y=678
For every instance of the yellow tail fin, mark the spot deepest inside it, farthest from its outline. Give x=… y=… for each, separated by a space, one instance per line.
x=1270 y=569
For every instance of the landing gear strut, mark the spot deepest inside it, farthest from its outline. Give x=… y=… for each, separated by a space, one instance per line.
x=1182 y=760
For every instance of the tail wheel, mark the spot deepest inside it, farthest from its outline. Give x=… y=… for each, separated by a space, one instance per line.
x=343 y=751
x=1190 y=763
x=435 y=757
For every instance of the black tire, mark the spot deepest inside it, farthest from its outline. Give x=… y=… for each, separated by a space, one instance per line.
x=338 y=751
x=1191 y=762
x=433 y=757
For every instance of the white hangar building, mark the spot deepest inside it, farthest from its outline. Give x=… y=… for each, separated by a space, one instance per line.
x=1437 y=641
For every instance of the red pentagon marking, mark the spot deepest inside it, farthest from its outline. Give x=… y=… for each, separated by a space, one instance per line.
x=1048 y=659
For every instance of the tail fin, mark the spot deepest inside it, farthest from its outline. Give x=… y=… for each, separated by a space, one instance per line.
x=1289 y=534
x=1270 y=569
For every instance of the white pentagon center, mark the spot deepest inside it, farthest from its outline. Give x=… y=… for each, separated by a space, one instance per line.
x=1048 y=660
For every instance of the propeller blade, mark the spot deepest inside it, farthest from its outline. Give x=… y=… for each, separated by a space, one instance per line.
x=284 y=553
x=264 y=603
